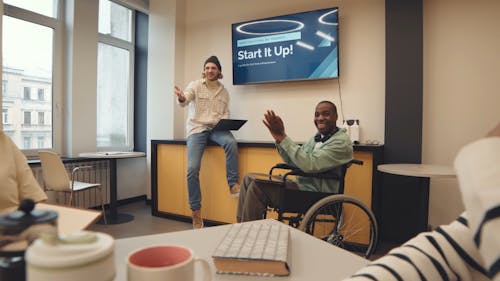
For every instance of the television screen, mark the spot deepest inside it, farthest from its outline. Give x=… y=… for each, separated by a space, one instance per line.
x=291 y=47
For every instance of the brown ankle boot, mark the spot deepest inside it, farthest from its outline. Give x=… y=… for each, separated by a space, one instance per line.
x=197 y=220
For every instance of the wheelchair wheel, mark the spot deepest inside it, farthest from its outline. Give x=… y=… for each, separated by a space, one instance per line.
x=344 y=222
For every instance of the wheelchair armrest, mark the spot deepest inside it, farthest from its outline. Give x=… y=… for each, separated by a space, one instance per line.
x=329 y=174
x=356 y=162
x=323 y=175
x=283 y=166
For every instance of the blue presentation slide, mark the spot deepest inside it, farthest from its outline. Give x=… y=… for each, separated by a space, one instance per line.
x=291 y=47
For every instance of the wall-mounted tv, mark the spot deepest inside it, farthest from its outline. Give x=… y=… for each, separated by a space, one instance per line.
x=298 y=46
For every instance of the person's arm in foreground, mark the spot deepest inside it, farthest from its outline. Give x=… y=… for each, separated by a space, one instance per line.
x=465 y=249
x=27 y=184
x=478 y=171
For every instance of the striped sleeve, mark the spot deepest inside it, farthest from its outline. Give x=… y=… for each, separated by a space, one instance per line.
x=448 y=253
x=478 y=171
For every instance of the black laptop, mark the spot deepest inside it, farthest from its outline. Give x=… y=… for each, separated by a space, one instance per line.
x=229 y=125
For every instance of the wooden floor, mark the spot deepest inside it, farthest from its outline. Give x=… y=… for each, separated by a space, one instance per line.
x=143 y=224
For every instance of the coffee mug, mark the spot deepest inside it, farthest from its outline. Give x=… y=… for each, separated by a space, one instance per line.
x=165 y=262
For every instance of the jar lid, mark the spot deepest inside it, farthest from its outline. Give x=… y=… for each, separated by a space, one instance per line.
x=73 y=249
x=25 y=216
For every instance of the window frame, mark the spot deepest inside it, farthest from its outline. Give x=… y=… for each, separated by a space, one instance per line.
x=40 y=120
x=27 y=117
x=40 y=142
x=27 y=141
x=57 y=25
x=4 y=87
x=129 y=46
x=26 y=93
x=5 y=116
x=40 y=94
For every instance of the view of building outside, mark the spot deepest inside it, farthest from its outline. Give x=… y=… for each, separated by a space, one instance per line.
x=27 y=50
x=28 y=30
x=27 y=109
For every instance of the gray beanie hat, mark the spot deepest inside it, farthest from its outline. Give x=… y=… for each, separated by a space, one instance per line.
x=214 y=60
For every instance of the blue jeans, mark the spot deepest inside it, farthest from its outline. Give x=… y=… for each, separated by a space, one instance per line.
x=196 y=144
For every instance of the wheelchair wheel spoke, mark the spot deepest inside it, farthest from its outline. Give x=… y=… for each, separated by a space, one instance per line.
x=344 y=222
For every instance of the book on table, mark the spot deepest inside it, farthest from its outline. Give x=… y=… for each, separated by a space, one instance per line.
x=254 y=248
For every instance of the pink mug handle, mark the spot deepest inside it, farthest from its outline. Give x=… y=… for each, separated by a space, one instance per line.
x=207 y=273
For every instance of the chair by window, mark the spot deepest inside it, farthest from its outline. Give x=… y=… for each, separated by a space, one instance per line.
x=56 y=178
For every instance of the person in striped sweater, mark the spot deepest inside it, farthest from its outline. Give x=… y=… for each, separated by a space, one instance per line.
x=469 y=247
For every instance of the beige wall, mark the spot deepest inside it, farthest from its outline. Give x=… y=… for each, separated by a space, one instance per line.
x=182 y=34
x=461 y=67
x=461 y=87
x=362 y=56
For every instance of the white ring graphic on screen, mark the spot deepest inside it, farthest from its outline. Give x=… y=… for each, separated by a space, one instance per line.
x=322 y=18
x=325 y=36
x=240 y=27
x=305 y=45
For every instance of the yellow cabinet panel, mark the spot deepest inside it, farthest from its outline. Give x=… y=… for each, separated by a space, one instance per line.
x=217 y=204
x=172 y=191
x=358 y=181
x=258 y=159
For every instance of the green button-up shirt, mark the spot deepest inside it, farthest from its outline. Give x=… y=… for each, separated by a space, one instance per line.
x=334 y=152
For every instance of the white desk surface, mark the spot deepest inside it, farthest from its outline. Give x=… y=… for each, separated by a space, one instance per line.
x=311 y=258
x=418 y=170
x=112 y=154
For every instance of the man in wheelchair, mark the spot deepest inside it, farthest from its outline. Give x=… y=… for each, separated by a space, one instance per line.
x=329 y=149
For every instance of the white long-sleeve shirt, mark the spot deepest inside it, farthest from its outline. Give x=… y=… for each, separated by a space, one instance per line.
x=468 y=248
x=208 y=103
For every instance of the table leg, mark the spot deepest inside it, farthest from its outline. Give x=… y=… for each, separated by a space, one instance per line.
x=423 y=221
x=113 y=217
x=405 y=207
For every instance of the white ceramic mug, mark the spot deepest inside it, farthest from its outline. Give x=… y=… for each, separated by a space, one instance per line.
x=165 y=262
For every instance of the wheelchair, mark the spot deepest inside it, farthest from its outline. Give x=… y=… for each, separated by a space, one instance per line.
x=338 y=219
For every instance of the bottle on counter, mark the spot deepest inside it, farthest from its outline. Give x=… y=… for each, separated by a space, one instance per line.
x=346 y=127
x=355 y=132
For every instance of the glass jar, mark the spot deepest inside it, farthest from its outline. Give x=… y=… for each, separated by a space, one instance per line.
x=17 y=231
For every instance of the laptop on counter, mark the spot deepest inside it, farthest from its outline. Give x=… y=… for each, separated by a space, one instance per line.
x=229 y=125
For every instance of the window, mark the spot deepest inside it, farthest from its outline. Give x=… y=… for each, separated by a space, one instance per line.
x=41 y=118
x=40 y=142
x=115 y=20
x=41 y=94
x=31 y=35
x=27 y=118
x=5 y=116
x=27 y=93
x=44 y=7
x=4 y=87
x=26 y=142
x=115 y=76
